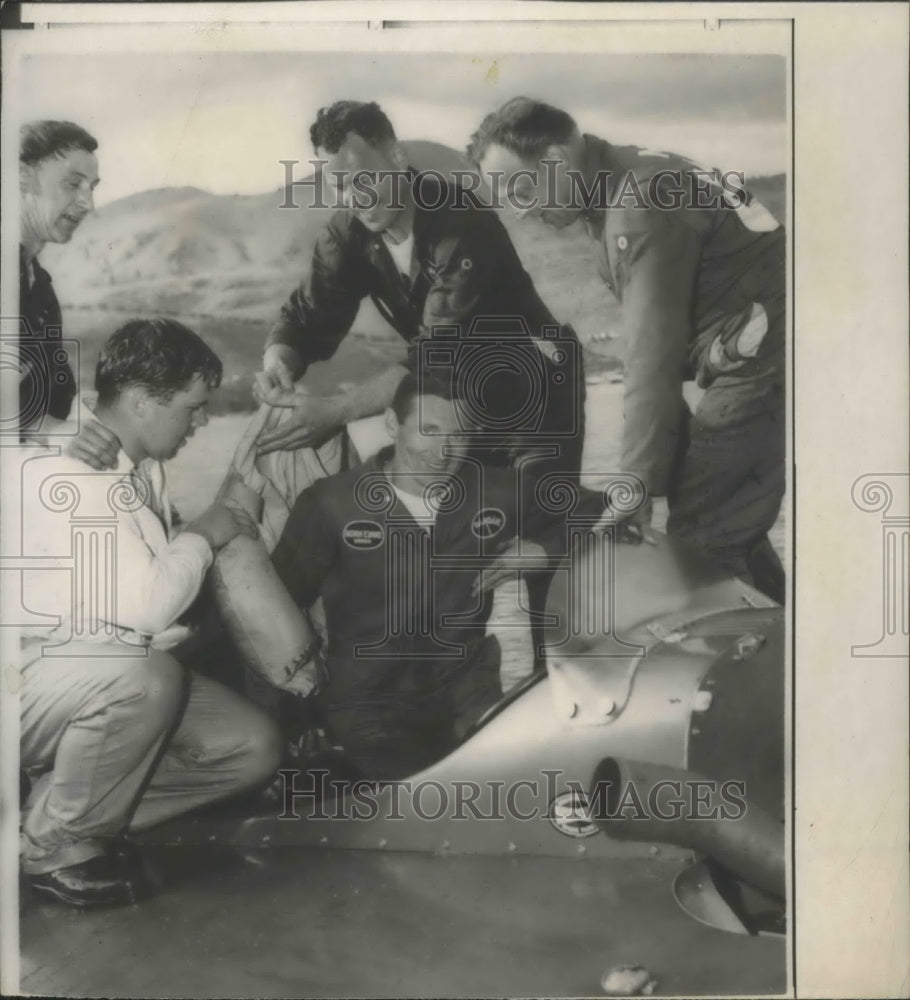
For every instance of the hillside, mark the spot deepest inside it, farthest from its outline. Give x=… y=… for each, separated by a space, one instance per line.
x=225 y=264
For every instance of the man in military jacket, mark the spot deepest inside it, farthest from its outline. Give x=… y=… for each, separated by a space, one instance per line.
x=698 y=267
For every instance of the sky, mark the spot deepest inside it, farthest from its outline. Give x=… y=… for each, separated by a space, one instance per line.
x=223 y=121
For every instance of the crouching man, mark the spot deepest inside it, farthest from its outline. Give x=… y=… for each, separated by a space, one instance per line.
x=115 y=733
x=405 y=551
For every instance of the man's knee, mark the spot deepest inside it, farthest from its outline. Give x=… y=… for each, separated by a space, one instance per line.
x=261 y=752
x=154 y=686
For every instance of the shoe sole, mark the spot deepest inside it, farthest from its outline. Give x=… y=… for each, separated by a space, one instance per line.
x=57 y=895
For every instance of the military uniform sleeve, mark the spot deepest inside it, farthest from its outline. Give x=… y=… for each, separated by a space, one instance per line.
x=654 y=257
x=307 y=549
x=321 y=311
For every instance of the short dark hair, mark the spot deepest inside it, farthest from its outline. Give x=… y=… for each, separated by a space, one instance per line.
x=416 y=384
x=523 y=126
x=40 y=140
x=335 y=123
x=160 y=355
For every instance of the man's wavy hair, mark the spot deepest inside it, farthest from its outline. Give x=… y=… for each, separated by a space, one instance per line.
x=524 y=127
x=333 y=124
x=42 y=139
x=160 y=355
x=416 y=384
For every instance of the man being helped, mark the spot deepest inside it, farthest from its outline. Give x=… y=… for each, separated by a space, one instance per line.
x=429 y=257
x=699 y=270
x=114 y=732
x=405 y=551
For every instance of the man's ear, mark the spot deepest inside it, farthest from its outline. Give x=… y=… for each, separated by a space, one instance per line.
x=560 y=152
x=391 y=424
x=26 y=178
x=135 y=400
x=399 y=156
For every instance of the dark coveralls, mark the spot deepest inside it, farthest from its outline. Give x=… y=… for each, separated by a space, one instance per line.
x=409 y=667
x=468 y=310
x=48 y=385
x=703 y=296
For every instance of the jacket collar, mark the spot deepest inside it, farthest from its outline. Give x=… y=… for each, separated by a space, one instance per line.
x=38 y=273
x=598 y=157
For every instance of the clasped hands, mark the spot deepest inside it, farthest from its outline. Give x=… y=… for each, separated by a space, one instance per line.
x=314 y=419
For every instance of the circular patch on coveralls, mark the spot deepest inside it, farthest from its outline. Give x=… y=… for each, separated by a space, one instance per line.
x=363 y=535
x=622 y=242
x=487 y=522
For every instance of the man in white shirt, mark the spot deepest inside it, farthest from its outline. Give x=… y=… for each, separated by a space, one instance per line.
x=115 y=734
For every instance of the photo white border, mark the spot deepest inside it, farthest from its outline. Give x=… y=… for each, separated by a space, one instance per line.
x=848 y=224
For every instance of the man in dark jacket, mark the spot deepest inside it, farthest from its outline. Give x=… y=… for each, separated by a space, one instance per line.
x=443 y=272
x=405 y=552
x=698 y=266
x=58 y=173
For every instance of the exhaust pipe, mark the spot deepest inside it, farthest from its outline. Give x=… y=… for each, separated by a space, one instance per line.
x=630 y=801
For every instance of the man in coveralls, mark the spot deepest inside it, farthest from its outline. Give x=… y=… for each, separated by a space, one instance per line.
x=405 y=551
x=698 y=267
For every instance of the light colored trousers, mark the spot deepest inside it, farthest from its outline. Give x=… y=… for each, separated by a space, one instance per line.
x=99 y=733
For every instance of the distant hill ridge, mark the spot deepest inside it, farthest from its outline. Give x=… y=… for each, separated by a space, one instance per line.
x=188 y=251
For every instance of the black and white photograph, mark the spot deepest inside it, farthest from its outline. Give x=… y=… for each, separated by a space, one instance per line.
x=402 y=555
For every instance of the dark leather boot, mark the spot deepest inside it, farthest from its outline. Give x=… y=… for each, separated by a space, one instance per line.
x=100 y=881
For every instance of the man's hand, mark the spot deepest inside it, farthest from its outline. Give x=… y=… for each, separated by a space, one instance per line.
x=634 y=528
x=518 y=557
x=223 y=522
x=96 y=445
x=276 y=380
x=313 y=421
